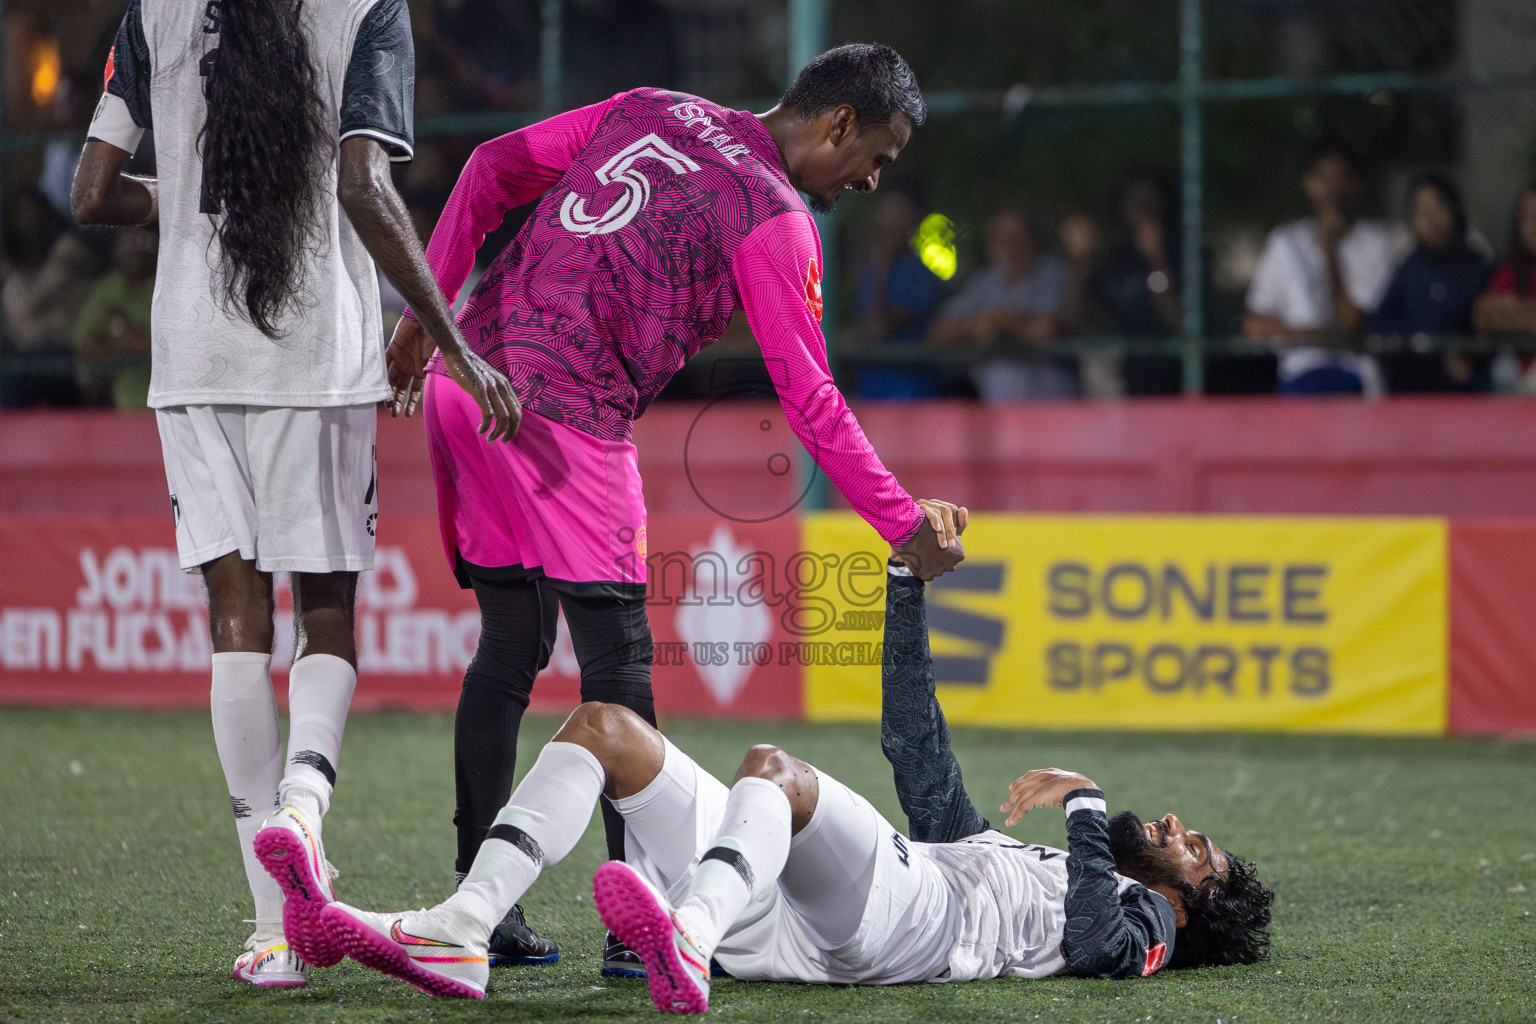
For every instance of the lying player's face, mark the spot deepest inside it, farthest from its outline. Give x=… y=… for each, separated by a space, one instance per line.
x=851 y=159
x=1162 y=851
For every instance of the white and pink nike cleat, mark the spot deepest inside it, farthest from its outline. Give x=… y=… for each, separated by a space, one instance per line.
x=440 y=951
x=270 y=964
x=288 y=846
x=677 y=970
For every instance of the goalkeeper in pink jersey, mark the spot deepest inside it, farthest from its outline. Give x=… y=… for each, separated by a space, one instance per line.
x=662 y=213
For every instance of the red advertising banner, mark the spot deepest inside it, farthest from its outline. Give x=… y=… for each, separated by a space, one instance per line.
x=1493 y=643
x=96 y=611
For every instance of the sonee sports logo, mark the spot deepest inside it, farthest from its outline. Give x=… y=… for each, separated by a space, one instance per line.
x=1156 y=957
x=901 y=849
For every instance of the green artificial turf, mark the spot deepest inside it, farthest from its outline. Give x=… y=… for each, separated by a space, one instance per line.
x=1405 y=873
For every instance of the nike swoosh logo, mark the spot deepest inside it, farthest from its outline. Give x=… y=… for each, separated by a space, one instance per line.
x=407 y=939
x=688 y=939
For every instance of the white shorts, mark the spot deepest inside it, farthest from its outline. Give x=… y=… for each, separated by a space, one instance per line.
x=294 y=490
x=852 y=906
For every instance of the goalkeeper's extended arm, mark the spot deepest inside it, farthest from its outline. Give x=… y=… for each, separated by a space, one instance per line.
x=913 y=732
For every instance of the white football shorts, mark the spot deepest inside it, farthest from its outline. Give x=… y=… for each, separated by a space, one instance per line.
x=852 y=906
x=294 y=490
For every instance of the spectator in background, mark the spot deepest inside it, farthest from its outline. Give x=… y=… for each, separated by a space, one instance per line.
x=1137 y=284
x=1320 y=278
x=896 y=295
x=111 y=336
x=42 y=299
x=1100 y=371
x=1433 y=290
x=1079 y=237
x=1014 y=302
x=1509 y=304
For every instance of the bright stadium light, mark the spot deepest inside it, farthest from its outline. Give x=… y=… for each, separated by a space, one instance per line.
x=45 y=71
x=934 y=243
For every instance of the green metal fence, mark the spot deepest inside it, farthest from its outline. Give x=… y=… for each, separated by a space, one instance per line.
x=810 y=32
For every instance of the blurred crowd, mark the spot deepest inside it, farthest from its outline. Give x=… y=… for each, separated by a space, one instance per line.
x=1083 y=305
x=1336 y=303
x=1378 y=287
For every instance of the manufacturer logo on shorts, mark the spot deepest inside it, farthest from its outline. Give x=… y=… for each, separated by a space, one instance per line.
x=176 y=510
x=373 y=486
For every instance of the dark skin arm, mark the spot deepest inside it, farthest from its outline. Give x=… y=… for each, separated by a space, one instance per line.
x=1263 y=327
x=1333 y=224
x=1504 y=313
x=102 y=194
x=378 y=213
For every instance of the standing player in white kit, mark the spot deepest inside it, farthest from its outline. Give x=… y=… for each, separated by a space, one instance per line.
x=275 y=122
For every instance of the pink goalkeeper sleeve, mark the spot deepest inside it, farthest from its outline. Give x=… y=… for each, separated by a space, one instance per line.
x=501 y=174
x=778 y=276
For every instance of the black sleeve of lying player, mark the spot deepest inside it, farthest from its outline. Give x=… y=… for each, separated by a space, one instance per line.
x=1109 y=933
x=130 y=70
x=913 y=732
x=378 y=94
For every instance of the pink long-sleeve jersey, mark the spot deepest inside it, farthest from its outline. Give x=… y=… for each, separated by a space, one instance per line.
x=661 y=212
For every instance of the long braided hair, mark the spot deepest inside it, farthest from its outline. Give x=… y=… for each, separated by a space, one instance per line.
x=261 y=145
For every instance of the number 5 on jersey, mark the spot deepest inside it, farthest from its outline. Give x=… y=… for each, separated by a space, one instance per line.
x=637 y=187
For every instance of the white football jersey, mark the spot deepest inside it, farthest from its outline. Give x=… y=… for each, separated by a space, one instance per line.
x=1012 y=899
x=331 y=352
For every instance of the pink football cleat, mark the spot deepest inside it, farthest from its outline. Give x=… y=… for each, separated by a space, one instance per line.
x=676 y=969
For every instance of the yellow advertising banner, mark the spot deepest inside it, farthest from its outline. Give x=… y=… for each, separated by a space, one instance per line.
x=1161 y=623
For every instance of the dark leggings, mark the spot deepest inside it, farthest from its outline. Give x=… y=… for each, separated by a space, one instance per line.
x=613 y=645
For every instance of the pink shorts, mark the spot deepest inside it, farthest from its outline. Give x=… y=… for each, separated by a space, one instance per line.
x=556 y=501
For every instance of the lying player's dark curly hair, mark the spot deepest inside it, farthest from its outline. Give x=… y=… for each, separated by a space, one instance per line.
x=869 y=77
x=261 y=145
x=1228 y=919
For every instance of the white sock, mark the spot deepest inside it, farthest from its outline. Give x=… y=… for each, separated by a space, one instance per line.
x=542 y=822
x=747 y=854
x=319 y=694
x=250 y=751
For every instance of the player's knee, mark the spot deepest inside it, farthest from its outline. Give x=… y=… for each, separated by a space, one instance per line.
x=764 y=761
x=323 y=616
x=240 y=604
x=797 y=779
x=631 y=753
x=325 y=593
x=600 y=727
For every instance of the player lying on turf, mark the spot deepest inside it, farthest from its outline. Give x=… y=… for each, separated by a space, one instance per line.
x=788 y=875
